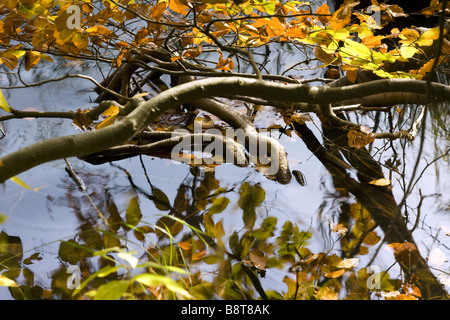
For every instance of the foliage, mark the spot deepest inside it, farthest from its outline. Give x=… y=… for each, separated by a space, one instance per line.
x=172 y=259
x=34 y=28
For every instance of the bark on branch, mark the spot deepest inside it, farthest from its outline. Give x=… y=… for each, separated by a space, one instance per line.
x=146 y=112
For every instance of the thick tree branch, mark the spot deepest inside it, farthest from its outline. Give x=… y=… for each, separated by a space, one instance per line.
x=144 y=113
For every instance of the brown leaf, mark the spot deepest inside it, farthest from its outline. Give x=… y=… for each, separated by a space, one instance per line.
x=358 y=139
x=323 y=56
x=258 y=259
x=405 y=252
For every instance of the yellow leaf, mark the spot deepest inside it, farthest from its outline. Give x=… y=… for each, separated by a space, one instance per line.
x=347 y=263
x=381 y=182
x=19 y=181
x=6 y=282
x=407 y=51
x=107 y=122
x=111 y=111
x=3 y=104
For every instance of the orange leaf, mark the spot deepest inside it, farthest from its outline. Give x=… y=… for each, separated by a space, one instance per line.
x=199 y=255
x=372 y=41
x=323 y=56
x=276 y=28
x=341 y=17
x=179 y=6
x=323 y=11
x=335 y=274
x=185 y=245
x=193 y=52
x=351 y=72
x=296 y=33
x=31 y=59
x=158 y=10
x=81 y=120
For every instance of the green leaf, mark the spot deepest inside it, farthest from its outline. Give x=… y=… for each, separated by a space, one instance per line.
x=133 y=214
x=112 y=290
x=3 y=218
x=218 y=205
x=3 y=104
x=250 y=198
x=153 y=280
x=266 y=229
x=357 y=49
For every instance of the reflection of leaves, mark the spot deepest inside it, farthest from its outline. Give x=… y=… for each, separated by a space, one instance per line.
x=133 y=214
x=381 y=182
x=10 y=245
x=70 y=251
x=358 y=139
x=112 y=290
x=405 y=252
x=218 y=205
x=266 y=229
x=166 y=226
x=250 y=198
x=161 y=200
x=258 y=259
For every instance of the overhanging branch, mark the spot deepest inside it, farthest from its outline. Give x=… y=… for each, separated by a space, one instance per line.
x=146 y=112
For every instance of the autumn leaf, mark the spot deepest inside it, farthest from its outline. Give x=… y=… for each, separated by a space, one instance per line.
x=185 y=245
x=193 y=52
x=383 y=182
x=296 y=32
x=357 y=139
x=81 y=120
x=21 y=183
x=351 y=72
x=6 y=282
x=406 y=252
x=323 y=13
x=347 y=263
x=158 y=10
x=335 y=274
x=323 y=56
x=342 y=16
x=3 y=104
x=258 y=259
